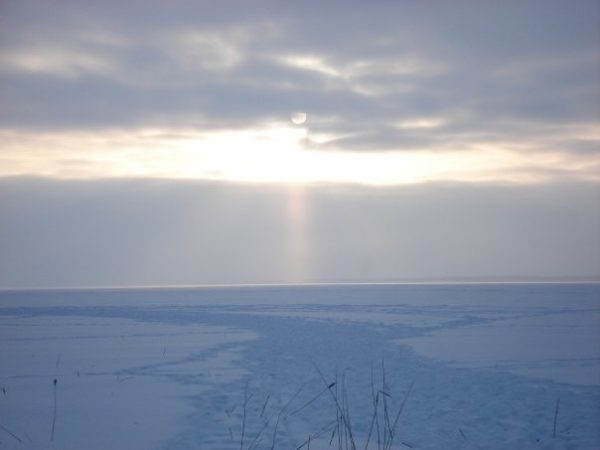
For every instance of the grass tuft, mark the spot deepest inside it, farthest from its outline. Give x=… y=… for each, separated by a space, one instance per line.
x=382 y=423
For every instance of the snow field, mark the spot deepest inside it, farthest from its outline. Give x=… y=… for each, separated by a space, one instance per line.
x=484 y=365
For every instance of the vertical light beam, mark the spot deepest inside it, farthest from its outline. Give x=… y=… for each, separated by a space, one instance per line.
x=298 y=246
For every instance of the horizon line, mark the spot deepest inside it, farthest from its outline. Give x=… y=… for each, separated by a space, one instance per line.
x=573 y=280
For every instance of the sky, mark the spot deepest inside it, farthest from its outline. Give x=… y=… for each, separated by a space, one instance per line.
x=189 y=142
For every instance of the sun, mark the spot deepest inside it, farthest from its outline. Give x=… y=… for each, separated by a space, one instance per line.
x=299 y=117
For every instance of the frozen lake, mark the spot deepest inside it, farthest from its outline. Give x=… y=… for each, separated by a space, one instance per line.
x=471 y=366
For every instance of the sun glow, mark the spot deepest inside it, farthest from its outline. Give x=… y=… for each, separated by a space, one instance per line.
x=279 y=152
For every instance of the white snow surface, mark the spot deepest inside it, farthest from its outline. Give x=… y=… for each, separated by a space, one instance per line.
x=476 y=366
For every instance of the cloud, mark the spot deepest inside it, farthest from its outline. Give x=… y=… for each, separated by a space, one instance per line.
x=55 y=62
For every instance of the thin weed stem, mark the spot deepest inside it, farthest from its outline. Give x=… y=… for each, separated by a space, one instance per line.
x=345 y=422
x=556 y=417
x=54 y=412
x=393 y=429
x=11 y=433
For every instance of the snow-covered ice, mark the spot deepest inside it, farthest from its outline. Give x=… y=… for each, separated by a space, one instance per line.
x=170 y=368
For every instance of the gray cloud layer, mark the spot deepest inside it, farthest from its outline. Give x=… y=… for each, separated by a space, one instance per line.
x=492 y=70
x=68 y=233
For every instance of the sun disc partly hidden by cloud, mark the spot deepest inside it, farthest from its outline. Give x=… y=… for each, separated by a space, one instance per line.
x=299 y=117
